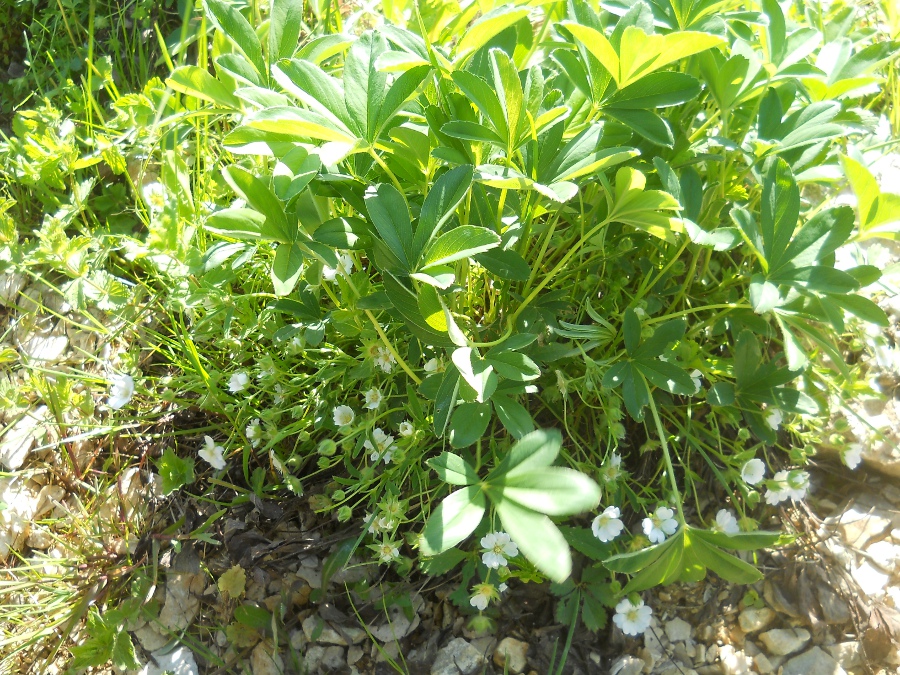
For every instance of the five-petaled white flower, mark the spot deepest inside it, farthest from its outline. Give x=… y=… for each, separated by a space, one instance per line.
x=384 y=359
x=632 y=619
x=254 y=433
x=156 y=196
x=482 y=596
x=383 y=442
x=725 y=522
x=238 y=382
x=406 y=429
x=213 y=454
x=777 y=488
x=120 y=391
x=660 y=525
x=774 y=419
x=787 y=485
x=343 y=415
x=498 y=546
x=374 y=397
x=753 y=471
x=852 y=455
x=607 y=526
x=388 y=551
x=798 y=484
x=345 y=267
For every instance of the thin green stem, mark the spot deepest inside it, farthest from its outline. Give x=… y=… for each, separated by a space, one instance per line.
x=670 y=469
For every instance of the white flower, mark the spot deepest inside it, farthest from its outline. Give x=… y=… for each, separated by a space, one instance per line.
x=254 y=433
x=343 y=415
x=212 y=453
x=121 y=390
x=696 y=376
x=66 y=129
x=778 y=489
x=725 y=522
x=156 y=196
x=852 y=455
x=498 y=547
x=607 y=525
x=384 y=359
x=388 y=552
x=383 y=441
x=238 y=382
x=753 y=471
x=612 y=470
x=774 y=419
x=433 y=365
x=632 y=619
x=345 y=267
x=406 y=429
x=482 y=597
x=374 y=397
x=660 y=525
x=798 y=484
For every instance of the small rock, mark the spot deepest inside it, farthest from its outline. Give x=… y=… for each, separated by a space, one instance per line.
x=399 y=624
x=333 y=659
x=884 y=554
x=763 y=665
x=354 y=654
x=179 y=661
x=19 y=439
x=847 y=654
x=753 y=619
x=777 y=600
x=627 y=665
x=512 y=655
x=835 y=609
x=389 y=652
x=858 y=525
x=312 y=576
x=734 y=661
x=312 y=660
x=182 y=600
x=871 y=580
x=678 y=630
x=150 y=638
x=457 y=657
x=783 y=641
x=264 y=660
x=297 y=640
x=317 y=630
x=814 y=661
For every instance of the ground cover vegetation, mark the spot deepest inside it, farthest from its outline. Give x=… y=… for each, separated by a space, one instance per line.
x=511 y=293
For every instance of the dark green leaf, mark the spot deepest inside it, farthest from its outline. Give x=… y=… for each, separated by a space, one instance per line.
x=468 y=423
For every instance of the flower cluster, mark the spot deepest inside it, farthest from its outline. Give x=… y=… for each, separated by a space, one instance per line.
x=787 y=485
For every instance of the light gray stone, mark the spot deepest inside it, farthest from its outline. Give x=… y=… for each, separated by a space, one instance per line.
x=179 y=661
x=884 y=554
x=847 y=654
x=753 y=619
x=333 y=659
x=734 y=661
x=627 y=665
x=783 y=641
x=458 y=657
x=835 y=609
x=763 y=665
x=265 y=660
x=872 y=581
x=678 y=630
x=312 y=660
x=317 y=630
x=354 y=654
x=813 y=661
x=859 y=524
x=20 y=438
x=512 y=655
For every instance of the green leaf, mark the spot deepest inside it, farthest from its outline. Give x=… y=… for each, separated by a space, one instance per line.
x=461 y=242
x=468 y=423
x=453 y=469
x=593 y=614
x=321 y=92
x=631 y=331
x=174 y=471
x=237 y=30
x=539 y=540
x=514 y=366
x=285 y=26
x=509 y=91
x=443 y=562
x=472 y=131
x=406 y=302
x=556 y=491
x=485 y=28
x=726 y=566
x=512 y=415
x=741 y=541
x=657 y=90
x=253 y=616
x=664 y=570
x=455 y=518
x=536 y=450
x=343 y=233
x=646 y=123
x=237 y=223
x=666 y=376
x=444 y=196
x=720 y=239
x=506 y=264
x=779 y=211
x=721 y=393
x=390 y=216
x=300 y=124
x=286 y=268
x=261 y=198
x=445 y=400
x=198 y=83
x=365 y=88
x=477 y=373
x=584 y=541
x=861 y=307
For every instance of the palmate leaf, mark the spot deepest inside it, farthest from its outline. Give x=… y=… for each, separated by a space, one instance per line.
x=238 y=31
x=642 y=208
x=198 y=83
x=453 y=520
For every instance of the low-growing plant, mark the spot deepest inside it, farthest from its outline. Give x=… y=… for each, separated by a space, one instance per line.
x=479 y=229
